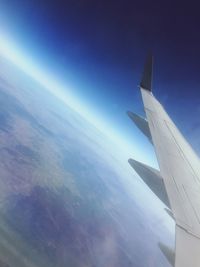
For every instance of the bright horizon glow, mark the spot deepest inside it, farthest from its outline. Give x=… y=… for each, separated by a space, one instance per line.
x=63 y=93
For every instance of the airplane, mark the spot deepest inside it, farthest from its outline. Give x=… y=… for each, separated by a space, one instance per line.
x=177 y=184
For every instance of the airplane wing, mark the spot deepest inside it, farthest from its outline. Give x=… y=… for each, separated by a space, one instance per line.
x=180 y=171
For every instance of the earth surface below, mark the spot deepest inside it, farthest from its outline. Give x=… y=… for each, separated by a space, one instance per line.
x=67 y=198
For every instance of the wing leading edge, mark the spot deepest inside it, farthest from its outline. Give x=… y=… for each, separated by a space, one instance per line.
x=180 y=170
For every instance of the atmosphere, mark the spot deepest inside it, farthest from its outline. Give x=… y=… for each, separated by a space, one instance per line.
x=96 y=50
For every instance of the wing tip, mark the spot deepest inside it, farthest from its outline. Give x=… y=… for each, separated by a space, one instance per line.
x=146 y=82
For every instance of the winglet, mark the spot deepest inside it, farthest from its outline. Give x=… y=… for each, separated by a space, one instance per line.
x=146 y=82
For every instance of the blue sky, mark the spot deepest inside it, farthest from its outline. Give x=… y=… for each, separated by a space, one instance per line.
x=96 y=49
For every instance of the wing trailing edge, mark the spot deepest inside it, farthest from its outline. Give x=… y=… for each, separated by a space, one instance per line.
x=152 y=178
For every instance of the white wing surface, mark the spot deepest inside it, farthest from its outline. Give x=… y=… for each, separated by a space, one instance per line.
x=180 y=170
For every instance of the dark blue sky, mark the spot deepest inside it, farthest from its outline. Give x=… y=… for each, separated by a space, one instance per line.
x=99 y=48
